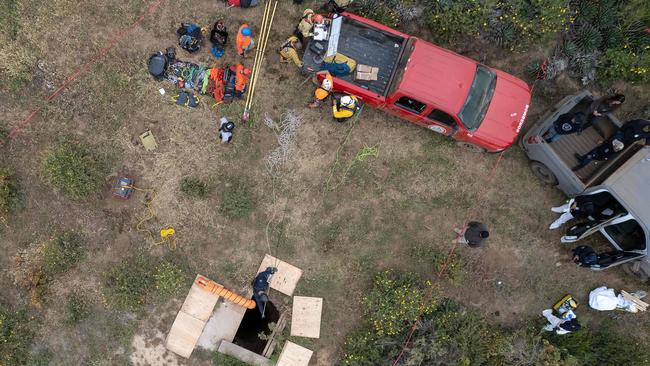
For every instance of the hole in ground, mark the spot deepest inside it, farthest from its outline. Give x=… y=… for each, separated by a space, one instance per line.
x=252 y=325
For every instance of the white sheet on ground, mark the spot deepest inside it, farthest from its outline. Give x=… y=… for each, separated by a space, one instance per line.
x=605 y=299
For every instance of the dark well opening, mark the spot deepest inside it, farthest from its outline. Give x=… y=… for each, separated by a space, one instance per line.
x=252 y=325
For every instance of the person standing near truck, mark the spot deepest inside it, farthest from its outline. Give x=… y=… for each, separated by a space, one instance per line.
x=602 y=106
x=289 y=53
x=635 y=130
x=602 y=152
x=598 y=206
x=303 y=29
x=584 y=256
x=566 y=124
x=322 y=91
x=344 y=108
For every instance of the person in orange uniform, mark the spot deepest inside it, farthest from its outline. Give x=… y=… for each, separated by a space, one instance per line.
x=243 y=73
x=244 y=40
x=323 y=90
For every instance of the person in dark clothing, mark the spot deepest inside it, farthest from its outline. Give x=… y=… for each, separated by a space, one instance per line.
x=592 y=207
x=635 y=130
x=219 y=35
x=602 y=152
x=261 y=288
x=474 y=235
x=585 y=256
x=602 y=106
x=566 y=124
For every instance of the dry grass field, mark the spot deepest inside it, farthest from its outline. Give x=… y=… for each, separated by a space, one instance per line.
x=338 y=218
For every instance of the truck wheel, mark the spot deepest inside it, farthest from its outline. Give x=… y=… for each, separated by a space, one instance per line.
x=543 y=173
x=629 y=269
x=471 y=147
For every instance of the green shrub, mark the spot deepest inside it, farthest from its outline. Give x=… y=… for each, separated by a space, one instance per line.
x=169 y=278
x=15 y=337
x=75 y=169
x=237 y=200
x=601 y=347
x=8 y=191
x=127 y=285
x=194 y=187
x=518 y=24
x=381 y=11
x=219 y=359
x=63 y=252
x=78 y=308
x=394 y=301
x=617 y=64
x=451 y=22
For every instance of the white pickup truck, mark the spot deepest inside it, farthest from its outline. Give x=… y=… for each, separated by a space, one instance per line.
x=626 y=178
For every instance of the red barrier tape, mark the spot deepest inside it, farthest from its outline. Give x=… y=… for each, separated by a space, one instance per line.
x=450 y=254
x=80 y=71
x=540 y=75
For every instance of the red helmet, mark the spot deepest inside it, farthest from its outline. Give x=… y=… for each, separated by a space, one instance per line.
x=317 y=18
x=247 y=71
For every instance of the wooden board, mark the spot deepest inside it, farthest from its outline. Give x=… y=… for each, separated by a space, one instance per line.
x=641 y=305
x=199 y=303
x=287 y=276
x=184 y=333
x=306 y=316
x=294 y=355
x=190 y=320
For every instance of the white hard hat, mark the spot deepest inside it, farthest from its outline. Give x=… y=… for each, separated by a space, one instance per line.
x=327 y=84
x=617 y=145
x=347 y=101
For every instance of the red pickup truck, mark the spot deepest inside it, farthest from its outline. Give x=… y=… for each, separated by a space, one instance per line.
x=480 y=107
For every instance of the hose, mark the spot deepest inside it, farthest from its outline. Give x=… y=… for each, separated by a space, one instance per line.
x=217 y=289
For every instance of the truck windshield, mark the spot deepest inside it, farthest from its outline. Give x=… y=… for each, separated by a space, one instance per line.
x=479 y=97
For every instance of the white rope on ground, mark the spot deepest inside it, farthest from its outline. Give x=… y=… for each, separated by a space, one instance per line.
x=286 y=132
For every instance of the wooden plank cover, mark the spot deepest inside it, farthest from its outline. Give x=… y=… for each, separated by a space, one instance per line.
x=294 y=355
x=306 y=316
x=184 y=334
x=287 y=276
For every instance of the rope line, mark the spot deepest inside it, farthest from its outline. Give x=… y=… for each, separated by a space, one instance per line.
x=452 y=249
x=444 y=264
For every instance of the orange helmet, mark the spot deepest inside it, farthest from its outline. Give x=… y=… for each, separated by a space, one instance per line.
x=247 y=71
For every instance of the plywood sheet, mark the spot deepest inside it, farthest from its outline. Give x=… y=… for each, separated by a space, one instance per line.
x=287 y=276
x=199 y=303
x=294 y=355
x=184 y=334
x=306 y=316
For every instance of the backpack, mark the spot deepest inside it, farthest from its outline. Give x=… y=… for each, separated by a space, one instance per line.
x=230 y=80
x=157 y=65
x=339 y=64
